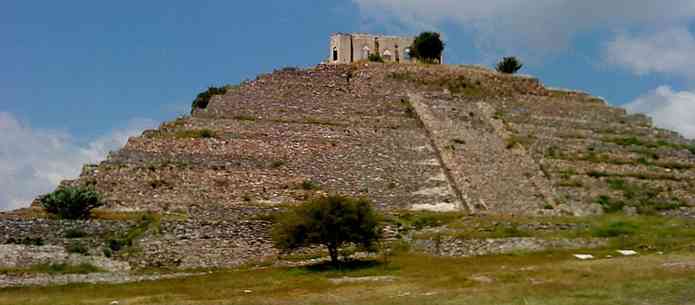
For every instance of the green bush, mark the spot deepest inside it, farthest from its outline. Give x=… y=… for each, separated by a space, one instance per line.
x=634 y=141
x=77 y=247
x=509 y=65
x=122 y=240
x=644 y=198
x=116 y=244
x=375 y=57
x=515 y=140
x=609 y=204
x=27 y=241
x=83 y=268
x=427 y=47
x=203 y=98
x=309 y=185
x=333 y=221
x=597 y=174
x=615 y=229
x=75 y=233
x=72 y=202
x=426 y=219
x=195 y=134
x=627 y=141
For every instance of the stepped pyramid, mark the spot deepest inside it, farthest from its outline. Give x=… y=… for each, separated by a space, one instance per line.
x=406 y=136
x=446 y=138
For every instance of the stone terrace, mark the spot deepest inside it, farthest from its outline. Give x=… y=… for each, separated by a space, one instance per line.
x=493 y=143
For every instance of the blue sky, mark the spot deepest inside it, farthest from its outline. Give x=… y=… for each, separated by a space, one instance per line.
x=78 y=77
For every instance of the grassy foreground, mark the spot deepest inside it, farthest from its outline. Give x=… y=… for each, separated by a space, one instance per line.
x=548 y=278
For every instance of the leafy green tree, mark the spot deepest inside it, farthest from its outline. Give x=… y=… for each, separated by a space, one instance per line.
x=72 y=202
x=509 y=65
x=332 y=221
x=427 y=47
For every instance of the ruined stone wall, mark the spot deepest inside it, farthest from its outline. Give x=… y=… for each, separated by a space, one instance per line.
x=203 y=244
x=342 y=45
x=181 y=244
x=495 y=246
x=52 y=231
x=357 y=47
x=389 y=47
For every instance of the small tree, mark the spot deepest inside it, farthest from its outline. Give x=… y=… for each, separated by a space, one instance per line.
x=203 y=99
x=332 y=221
x=427 y=47
x=72 y=202
x=509 y=65
x=375 y=57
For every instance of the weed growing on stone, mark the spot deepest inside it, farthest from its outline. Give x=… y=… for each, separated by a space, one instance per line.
x=77 y=247
x=195 y=134
x=27 y=241
x=75 y=233
x=645 y=199
x=123 y=240
x=517 y=140
x=309 y=185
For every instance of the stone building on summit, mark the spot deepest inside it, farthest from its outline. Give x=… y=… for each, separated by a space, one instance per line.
x=347 y=48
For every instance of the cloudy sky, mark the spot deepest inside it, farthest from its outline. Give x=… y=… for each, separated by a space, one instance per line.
x=79 y=77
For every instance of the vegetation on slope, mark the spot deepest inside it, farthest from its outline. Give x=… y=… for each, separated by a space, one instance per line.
x=203 y=98
x=655 y=233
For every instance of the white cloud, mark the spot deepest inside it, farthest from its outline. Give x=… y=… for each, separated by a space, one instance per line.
x=669 y=109
x=535 y=25
x=668 y=51
x=34 y=161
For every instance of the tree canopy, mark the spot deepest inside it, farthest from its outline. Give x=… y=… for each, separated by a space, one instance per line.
x=509 y=65
x=332 y=221
x=428 y=47
x=72 y=202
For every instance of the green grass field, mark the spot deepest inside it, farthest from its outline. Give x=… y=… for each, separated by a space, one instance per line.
x=664 y=272
x=546 y=278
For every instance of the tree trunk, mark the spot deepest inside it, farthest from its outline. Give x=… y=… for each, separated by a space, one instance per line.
x=333 y=251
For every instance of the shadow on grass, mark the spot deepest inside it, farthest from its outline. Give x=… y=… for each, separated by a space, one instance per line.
x=353 y=267
x=345 y=266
